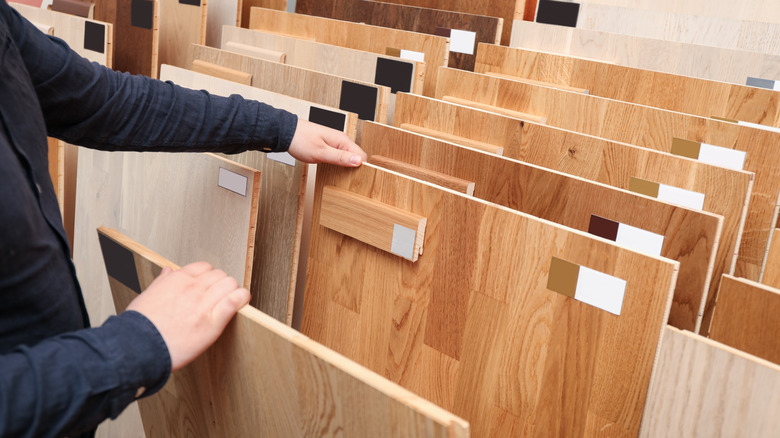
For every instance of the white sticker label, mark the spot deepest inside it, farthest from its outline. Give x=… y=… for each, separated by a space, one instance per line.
x=639 y=239
x=462 y=41
x=686 y=198
x=411 y=55
x=600 y=290
x=720 y=156
x=403 y=241
x=282 y=157
x=776 y=86
x=232 y=181
x=759 y=126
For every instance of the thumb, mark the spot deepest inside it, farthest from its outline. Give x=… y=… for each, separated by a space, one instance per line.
x=340 y=157
x=227 y=307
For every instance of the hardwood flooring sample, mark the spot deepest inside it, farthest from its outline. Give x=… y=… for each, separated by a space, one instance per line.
x=182 y=23
x=244 y=7
x=367 y=100
x=705 y=62
x=433 y=49
x=746 y=318
x=688 y=236
x=472 y=325
x=662 y=90
x=701 y=388
x=261 y=375
x=771 y=274
x=136 y=34
x=464 y=30
x=755 y=10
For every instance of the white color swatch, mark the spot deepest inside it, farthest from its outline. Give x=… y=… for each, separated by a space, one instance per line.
x=403 y=241
x=282 y=157
x=678 y=196
x=639 y=239
x=411 y=55
x=232 y=181
x=600 y=290
x=720 y=156
x=462 y=41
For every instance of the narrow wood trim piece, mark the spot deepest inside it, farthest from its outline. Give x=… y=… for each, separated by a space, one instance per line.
x=482 y=146
x=535 y=82
x=495 y=109
x=372 y=222
x=221 y=72
x=771 y=274
x=45 y=28
x=257 y=52
x=431 y=176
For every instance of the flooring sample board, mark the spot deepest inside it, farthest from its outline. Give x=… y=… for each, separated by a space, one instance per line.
x=726 y=191
x=136 y=33
x=635 y=221
x=704 y=62
x=261 y=375
x=746 y=318
x=662 y=90
x=754 y=10
x=244 y=7
x=701 y=388
x=561 y=13
x=84 y=9
x=220 y=13
x=463 y=30
x=182 y=23
x=367 y=100
x=473 y=325
x=771 y=274
x=431 y=49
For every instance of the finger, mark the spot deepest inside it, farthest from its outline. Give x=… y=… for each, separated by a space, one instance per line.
x=210 y=278
x=339 y=157
x=227 y=307
x=218 y=290
x=197 y=268
x=339 y=140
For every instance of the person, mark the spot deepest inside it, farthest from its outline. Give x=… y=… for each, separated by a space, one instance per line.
x=58 y=377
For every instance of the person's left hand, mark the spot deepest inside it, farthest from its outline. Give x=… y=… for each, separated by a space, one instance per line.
x=313 y=143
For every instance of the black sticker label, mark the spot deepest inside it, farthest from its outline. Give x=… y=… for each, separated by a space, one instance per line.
x=142 y=13
x=120 y=264
x=394 y=74
x=560 y=13
x=190 y=2
x=327 y=118
x=360 y=99
x=94 y=36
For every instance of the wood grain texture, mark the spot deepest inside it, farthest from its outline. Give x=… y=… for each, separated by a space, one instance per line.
x=705 y=62
x=261 y=375
x=474 y=144
x=609 y=162
x=701 y=388
x=746 y=318
x=136 y=49
x=180 y=26
x=301 y=83
x=771 y=274
x=412 y=18
x=244 y=7
x=431 y=176
x=79 y=8
x=356 y=36
x=662 y=90
x=257 y=52
x=691 y=237
x=471 y=326
x=755 y=10
x=221 y=72
x=494 y=108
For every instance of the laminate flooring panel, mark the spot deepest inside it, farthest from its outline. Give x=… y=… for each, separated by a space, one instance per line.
x=726 y=192
x=713 y=63
x=435 y=49
x=464 y=30
x=244 y=7
x=471 y=325
x=136 y=34
x=771 y=274
x=701 y=388
x=182 y=23
x=746 y=318
x=368 y=100
x=754 y=10
x=261 y=375
x=685 y=94
x=688 y=236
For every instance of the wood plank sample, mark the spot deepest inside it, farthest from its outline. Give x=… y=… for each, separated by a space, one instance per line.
x=726 y=191
x=746 y=318
x=471 y=325
x=771 y=274
x=79 y=8
x=221 y=72
x=136 y=34
x=244 y=7
x=705 y=62
x=435 y=49
x=182 y=23
x=662 y=90
x=263 y=375
x=755 y=10
x=369 y=101
x=701 y=388
x=688 y=236
x=464 y=30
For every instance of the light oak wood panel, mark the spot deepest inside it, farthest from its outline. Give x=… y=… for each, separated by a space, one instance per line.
x=771 y=274
x=181 y=25
x=356 y=36
x=136 y=48
x=431 y=176
x=690 y=237
x=755 y=10
x=301 y=83
x=662 y=90
x=712 y=63
x=261 y=375
x=218 y=14
x=701 y=388
x=471 y=325
x=726 y=191
x=746 y=318
x=221 y=72
x=244 y=7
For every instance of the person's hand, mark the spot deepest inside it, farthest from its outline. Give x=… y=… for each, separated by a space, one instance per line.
x=313 y=143
x=190 y=308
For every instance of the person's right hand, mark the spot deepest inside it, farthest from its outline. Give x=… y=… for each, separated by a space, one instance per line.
x=190 y=308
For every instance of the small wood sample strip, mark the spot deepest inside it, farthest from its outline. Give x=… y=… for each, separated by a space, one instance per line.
x=464 y=30
x=221 y=72
x=368 y=101
x=662 y=90
x=136 y=34
x=746 y=318
x=431 y=49
x=182 y=23
x=705 y=62
x=261 y=375
x=771 y=274
x=726 y=191
x=701 y=388
x=472 y=325
x=635 y=221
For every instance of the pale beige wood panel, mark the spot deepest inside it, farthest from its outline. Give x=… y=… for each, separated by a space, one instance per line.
x=671 y=57
x=746 y=318
x=471 y=325
x=756 y=10
x=726 y=191
x=356 y=36
x=301 y=83
x=701 y=388
x=264 y=377
x=771 y=274
x=220 y=13
x=180 y=26
x=643 y=126
x=662 y=90
x=690 y=236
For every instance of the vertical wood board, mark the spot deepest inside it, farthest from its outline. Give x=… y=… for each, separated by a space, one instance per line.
x=181 y=24
x=136 y=34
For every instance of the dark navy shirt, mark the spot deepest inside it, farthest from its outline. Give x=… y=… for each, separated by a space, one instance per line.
x=58 y=377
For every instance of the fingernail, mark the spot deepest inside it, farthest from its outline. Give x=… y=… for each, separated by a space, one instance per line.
x=355 y=160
